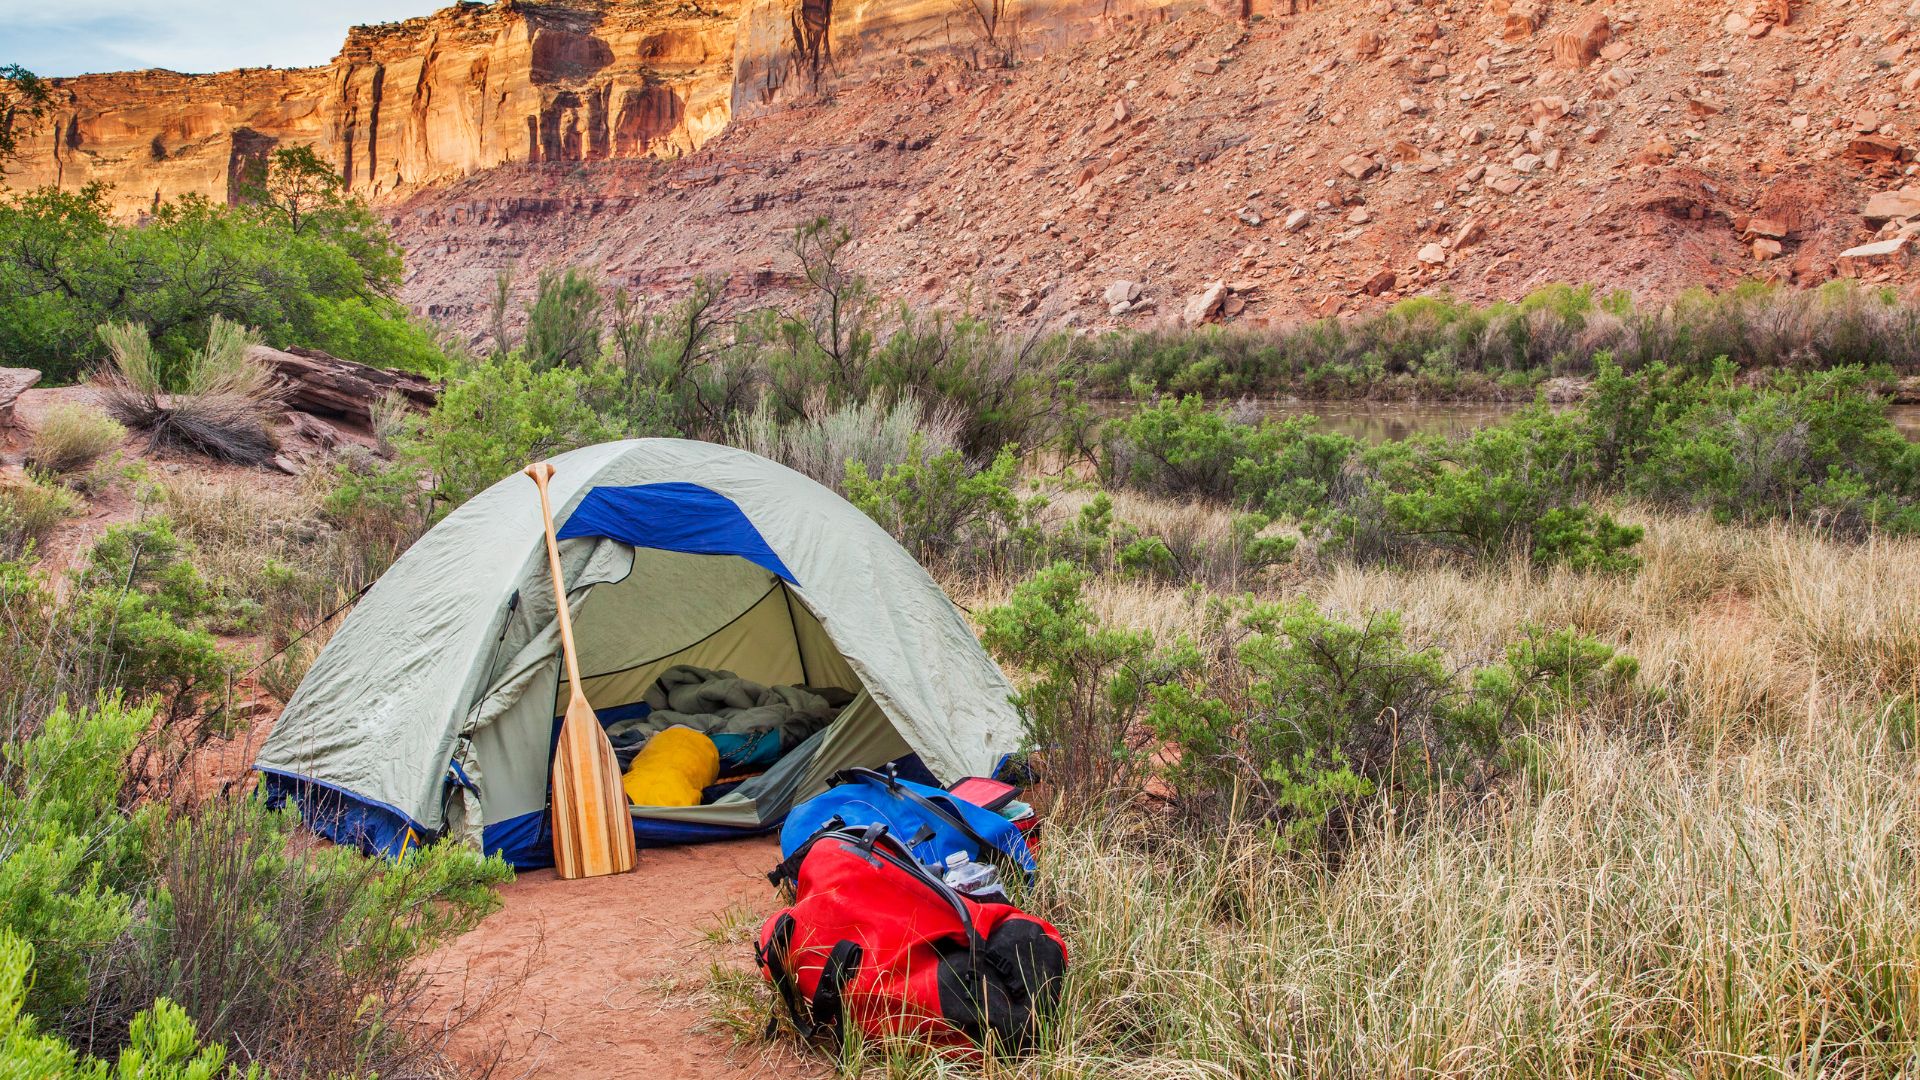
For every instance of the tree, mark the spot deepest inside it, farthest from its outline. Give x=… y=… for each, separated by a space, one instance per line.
x=563 y=322
x=294 y=182
x=66 y=267
x=295 y=188
x=24 y=99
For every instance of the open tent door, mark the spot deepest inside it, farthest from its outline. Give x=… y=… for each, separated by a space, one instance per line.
x=722 y=612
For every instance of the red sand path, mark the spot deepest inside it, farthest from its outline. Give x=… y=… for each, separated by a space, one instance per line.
x=603 y=977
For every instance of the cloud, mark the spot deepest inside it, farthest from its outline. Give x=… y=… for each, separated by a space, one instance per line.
x=70 y=37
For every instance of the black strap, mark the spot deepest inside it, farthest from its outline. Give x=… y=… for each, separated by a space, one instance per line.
x=774 y=958
x=988 y=849
x=842 y=967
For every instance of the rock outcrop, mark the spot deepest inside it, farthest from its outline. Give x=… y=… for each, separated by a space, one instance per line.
x=473 y=86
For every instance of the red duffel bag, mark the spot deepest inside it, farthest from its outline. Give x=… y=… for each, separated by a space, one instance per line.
x=877 y=940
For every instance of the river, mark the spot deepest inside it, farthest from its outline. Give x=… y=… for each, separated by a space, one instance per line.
x=1375 y=422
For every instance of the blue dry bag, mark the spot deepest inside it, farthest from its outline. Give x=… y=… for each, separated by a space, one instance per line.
x=930 y=822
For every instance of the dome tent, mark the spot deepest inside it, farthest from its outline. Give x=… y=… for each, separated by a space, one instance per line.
x=433 y=710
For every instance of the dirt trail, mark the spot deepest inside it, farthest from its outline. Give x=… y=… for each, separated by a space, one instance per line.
x=603 y=977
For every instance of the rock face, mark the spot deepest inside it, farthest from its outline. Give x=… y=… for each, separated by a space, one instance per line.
x=474 y=86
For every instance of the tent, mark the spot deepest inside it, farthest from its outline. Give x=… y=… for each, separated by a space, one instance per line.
x=434 y=710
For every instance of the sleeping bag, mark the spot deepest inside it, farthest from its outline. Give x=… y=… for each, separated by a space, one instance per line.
x=672 y=769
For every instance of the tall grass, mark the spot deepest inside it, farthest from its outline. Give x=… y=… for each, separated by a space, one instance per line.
x=219 y=403
x=1725 y=887
x=822 y=443
x=1635 y=910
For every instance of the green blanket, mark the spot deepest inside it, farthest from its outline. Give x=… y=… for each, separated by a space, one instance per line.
x=720 y=703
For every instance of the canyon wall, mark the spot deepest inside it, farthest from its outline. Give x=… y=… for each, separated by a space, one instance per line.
x=473 y=86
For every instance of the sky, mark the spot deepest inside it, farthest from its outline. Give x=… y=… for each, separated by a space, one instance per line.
x=72 y=37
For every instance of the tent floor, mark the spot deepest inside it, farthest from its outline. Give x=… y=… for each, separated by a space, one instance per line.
x=602 y=977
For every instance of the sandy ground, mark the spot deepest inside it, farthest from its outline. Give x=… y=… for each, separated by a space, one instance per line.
x=604 y=977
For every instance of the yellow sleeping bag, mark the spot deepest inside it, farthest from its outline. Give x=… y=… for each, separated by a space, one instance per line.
x=672 y=768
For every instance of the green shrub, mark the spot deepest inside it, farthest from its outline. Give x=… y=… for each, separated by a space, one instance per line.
x=1099 y=541
x=943 y=510
x=1086 y=705
x=261 y=939
x=317 y=269
x=497 y=418
x=1816 y=446
x=71 y=437
x=1313 y=717
x=29 y=512
x=142 y=615
x=563 y=322
x=1432 y=347
x=161 y=1042
x=1520 y=485
x=1187 y=448
x=69 y=851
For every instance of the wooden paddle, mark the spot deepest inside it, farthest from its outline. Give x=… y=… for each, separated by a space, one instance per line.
x=592 y=831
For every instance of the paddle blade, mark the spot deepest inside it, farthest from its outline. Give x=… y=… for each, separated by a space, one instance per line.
x=592 y=831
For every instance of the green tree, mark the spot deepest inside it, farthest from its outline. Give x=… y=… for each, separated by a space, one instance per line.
x=24 y=100
x=66 y=267
x=563 y=322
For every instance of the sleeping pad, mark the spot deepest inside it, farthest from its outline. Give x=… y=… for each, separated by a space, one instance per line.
x=751 y=724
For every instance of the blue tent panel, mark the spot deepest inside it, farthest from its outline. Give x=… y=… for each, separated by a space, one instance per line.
x=526 y=842
x=673 y=516
x=343 y=817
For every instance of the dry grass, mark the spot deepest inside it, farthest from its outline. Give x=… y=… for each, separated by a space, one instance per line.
x=72 y=437
x=1728 y=890
x=274 y=548
x=222 y=404
x=29 y=512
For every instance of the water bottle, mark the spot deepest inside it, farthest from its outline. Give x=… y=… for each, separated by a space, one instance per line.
x=973 y=879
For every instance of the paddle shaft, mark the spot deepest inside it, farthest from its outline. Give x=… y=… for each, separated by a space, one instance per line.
x=592 y=831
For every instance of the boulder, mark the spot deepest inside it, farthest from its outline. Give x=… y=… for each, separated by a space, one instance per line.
x=316 y=382
x=1204 y=304
x=14 y=381
x=1878 y=251
x=1887 y=205
x=1577 y=47
x=1122 y=292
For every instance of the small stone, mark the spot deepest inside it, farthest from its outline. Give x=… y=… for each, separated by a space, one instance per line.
x=1880 y=249
x=1122 y=292
x=1358 y=166
x=1360 y=216
x=1204 y=304
x=1298 y=220
x=1764 y=249
x=1381 y=282
x=1432 y=254
x=1736 y=23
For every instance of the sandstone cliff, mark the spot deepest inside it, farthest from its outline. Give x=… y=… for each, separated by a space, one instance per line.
x=474 y=86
